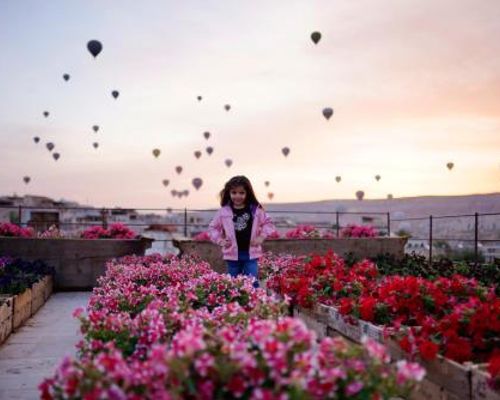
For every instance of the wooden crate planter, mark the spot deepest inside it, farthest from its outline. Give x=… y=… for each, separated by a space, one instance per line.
x=312 y=321
x=37 y=295
x=6 y=316
x=347 y=326
x=22 y=308
x=481 y=390
x=49 y=286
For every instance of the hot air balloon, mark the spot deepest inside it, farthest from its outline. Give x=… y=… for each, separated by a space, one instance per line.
x=327 y=112
x=50 y=146
x=285 y=151
x=360 y=194
x=227 y=107
x=390 y=196
x=209 y=150
x=377 y=177
x=338 y=178
x=199 y=98
x=316 y=37
x=56 y=156
x=450 y=165
x=95 y=144
x=206 y=135
x=270 y=195
x=66 y=77
x=156 y=152
x=197 y=154
x=46 y=114
x=185 y=192
x=173 y=192
x=197 y=182
x=95 y=47
x=165 y=182
x=267 y=183
x=26 y=179
x=36 y=139
x=228 y=162
x=115 y=93
x=178 y=169
x=95 y=128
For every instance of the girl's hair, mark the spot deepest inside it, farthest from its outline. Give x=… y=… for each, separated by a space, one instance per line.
x=236 y=181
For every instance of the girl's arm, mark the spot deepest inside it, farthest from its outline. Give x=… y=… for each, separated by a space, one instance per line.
x=215 y=230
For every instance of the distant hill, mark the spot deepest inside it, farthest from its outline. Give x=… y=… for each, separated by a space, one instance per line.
x=401 y=208
x=405 y=207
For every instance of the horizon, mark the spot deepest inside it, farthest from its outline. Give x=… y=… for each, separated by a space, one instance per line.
x=410 y=94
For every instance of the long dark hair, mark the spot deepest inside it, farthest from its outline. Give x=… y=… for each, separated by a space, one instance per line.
x=235 y=181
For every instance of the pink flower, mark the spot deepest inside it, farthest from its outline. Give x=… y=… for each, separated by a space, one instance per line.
x=202 y=237
x=353 y=388
x=409 y=371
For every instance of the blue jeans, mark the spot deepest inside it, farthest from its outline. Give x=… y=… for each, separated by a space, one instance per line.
x=244 y=266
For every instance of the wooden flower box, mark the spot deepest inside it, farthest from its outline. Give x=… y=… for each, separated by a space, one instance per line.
x=49 y=286
x=6 y=316
x=22 y=308
x=481 y=390
x=312 y=321
x=38 y=295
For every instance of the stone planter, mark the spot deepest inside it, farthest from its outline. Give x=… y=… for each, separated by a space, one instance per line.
x=359 y=247
x=78 y=262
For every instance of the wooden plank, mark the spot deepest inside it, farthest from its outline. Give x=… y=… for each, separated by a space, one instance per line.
x=311 y=320
x=481 y=390
x=22 y=308
x=49 y=287
x=348 y=327
x=6 y=316
x=37 y=296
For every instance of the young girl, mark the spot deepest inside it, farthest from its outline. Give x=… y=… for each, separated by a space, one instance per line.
x=240 y=227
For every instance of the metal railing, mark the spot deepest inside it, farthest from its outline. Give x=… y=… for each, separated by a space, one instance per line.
x=183 y=214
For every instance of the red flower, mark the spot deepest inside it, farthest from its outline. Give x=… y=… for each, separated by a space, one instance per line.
x=428 y=350
x=494 y=365
x=367 y=308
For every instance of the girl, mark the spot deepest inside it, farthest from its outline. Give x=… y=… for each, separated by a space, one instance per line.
x=240 y=227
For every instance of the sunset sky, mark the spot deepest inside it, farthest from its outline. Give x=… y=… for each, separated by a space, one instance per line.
x=414 y=84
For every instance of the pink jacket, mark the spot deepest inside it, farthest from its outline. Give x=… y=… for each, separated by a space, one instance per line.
x=222 y=227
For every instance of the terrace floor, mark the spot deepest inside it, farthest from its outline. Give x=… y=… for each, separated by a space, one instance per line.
x=33 y=352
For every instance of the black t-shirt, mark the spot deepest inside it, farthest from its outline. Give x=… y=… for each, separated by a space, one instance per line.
x=242 y=219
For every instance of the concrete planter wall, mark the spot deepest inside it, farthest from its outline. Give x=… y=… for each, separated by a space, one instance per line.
x=360 y=247
x=78 y=262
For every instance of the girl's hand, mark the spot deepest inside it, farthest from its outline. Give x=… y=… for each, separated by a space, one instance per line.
x=258 y=241
x=225 y=243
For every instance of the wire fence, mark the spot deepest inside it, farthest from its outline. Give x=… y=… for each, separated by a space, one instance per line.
x=41 y=217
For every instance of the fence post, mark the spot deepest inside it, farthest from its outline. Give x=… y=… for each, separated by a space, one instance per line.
x=476 y=237
x=185 y=222
x=337 y=222
x=104 y=218
x=430 y=240
x=19 y=215
x=388 y=224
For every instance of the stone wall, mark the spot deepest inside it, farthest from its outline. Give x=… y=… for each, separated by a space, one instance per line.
x=359 y=247
x=78 y=262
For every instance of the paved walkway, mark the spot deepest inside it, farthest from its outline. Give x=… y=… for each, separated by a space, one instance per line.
x=34 y=351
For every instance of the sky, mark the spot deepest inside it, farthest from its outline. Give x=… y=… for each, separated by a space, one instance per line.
x=414 y=84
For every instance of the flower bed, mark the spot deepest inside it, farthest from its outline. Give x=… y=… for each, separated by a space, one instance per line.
x=169 y=329
x=455 y=317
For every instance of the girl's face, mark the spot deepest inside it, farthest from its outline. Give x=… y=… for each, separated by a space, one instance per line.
x=238 y=195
